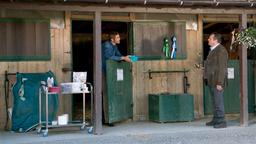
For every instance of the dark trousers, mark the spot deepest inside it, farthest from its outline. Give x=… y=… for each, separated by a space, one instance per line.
x=218 y=104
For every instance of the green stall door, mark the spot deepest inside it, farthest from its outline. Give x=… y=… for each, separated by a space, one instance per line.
x=232 y=91
x=119 y=91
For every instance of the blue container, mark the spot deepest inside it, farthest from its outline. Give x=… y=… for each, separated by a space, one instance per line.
x=133 y=58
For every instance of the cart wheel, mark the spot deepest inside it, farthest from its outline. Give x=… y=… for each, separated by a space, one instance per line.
x=45 y=134
x=82 y=127
x=87 y=123
x=39 y=130
x=90 y=130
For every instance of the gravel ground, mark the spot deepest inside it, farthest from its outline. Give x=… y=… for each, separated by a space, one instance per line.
x=143 y=133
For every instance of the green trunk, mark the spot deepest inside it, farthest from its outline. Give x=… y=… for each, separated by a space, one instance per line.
x=171 y=107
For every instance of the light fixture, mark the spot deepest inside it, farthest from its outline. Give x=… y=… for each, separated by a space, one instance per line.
x=217 y=3
x=181 y=3
x=145 y=2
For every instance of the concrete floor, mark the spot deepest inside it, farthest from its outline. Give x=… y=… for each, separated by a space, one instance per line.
x=143 y=133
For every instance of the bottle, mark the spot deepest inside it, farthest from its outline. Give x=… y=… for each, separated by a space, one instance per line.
x=50 y=81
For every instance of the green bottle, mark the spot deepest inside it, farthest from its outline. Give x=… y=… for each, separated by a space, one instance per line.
x=166 y=48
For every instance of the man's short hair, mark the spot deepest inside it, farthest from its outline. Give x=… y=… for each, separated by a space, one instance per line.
x=217 y=36
x=113 y=34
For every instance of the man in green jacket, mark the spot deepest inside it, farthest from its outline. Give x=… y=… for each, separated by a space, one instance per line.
x=215 y=76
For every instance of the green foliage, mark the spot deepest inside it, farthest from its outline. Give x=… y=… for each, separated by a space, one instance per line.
x=247 y=37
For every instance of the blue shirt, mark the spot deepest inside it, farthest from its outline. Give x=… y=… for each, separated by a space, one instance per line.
x=109 y=51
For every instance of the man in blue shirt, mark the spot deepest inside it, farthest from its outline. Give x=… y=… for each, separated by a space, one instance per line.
x=110 y=52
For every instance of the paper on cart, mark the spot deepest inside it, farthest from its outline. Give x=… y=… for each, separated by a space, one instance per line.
x=80 y=77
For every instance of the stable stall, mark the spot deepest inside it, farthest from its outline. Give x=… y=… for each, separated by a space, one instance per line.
x=68 y=35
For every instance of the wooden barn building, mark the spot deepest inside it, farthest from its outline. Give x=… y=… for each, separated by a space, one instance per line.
x=64 y=36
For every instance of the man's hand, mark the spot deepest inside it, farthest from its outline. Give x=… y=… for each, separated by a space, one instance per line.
x=126 y=58
x=219 y=87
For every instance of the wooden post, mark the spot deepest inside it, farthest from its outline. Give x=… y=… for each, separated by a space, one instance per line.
x=97 y=77
x=254 y=69
x=199 y=44
x=243 y=78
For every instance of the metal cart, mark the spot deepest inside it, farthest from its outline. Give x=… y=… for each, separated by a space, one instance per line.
x=43 y=126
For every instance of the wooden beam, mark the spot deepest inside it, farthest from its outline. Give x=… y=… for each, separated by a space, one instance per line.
x=142 y=9
x=97 y=70
x=105 y=18
x=209 y=25
x=243 y=78
x=224 y=18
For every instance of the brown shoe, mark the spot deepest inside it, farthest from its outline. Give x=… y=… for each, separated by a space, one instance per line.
x=220 y=125
x=211 y=123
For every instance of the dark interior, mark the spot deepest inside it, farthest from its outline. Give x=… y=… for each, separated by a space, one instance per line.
x=82 y=54
x=225 y=30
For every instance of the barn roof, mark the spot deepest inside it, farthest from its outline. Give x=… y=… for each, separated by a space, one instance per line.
x=161 y=3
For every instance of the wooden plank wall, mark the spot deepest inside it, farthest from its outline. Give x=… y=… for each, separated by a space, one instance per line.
x=142 y=85
x=60 y=57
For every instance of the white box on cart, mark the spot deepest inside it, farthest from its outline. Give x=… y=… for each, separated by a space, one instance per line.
x=73 y=87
